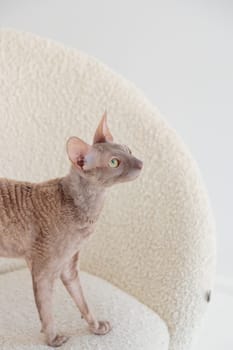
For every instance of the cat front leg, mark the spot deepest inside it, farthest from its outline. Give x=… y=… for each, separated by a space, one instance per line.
x=43 y=288
x=71 y=280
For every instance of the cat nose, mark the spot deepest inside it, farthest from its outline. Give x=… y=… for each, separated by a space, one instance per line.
x=139 y=164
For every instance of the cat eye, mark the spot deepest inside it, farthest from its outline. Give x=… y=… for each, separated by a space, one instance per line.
x=114 y=163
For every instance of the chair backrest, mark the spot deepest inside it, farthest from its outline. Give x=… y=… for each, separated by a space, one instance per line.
x=156 y=236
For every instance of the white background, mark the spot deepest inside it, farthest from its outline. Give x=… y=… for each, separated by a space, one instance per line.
x=180 y=53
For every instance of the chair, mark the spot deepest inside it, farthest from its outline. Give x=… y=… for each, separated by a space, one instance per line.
x=150 y=266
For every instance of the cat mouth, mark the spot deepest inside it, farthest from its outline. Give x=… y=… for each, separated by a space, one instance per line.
x=131 y=177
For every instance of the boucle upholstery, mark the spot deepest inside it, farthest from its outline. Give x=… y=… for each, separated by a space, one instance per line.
x=156 y=236
x=20 y=326
x=7 y=265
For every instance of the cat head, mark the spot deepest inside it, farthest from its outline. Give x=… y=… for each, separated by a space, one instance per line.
x=104 y=162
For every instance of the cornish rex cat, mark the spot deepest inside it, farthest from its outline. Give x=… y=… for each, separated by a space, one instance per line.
x=46 y=223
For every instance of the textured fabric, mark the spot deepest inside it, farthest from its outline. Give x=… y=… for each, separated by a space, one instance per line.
x=7 y=265
x=135 y=326
x=156 y=236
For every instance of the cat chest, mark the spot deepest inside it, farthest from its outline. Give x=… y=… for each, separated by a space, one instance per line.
x=73 y=240
x=81 y=223
x=80 y=228
x=84 y=220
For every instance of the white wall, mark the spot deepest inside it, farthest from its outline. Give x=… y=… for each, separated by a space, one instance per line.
x=179 y=52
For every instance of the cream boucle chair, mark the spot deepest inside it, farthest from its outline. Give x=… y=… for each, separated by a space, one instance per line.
x=156 y=237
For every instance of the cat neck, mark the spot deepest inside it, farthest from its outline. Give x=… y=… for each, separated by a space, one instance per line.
x=87 y=197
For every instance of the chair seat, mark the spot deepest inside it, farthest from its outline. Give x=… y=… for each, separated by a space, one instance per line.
x=7 y=265
x=135 y=326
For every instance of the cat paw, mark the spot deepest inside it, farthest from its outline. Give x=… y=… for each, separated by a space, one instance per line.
x=58 y=341
x=103 y=327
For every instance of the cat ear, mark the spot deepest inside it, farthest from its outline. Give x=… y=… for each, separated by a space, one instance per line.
x=102 y=133
x=77 y=151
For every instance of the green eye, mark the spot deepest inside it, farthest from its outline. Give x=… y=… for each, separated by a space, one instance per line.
x=114 y=163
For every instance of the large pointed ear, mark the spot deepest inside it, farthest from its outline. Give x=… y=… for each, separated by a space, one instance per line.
x=102 y=133
x=77 y=151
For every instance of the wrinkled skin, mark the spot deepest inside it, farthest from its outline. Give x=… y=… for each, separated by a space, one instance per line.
x=47 y=223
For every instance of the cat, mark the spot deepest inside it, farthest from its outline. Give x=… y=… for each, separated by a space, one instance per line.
x=46 y=223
